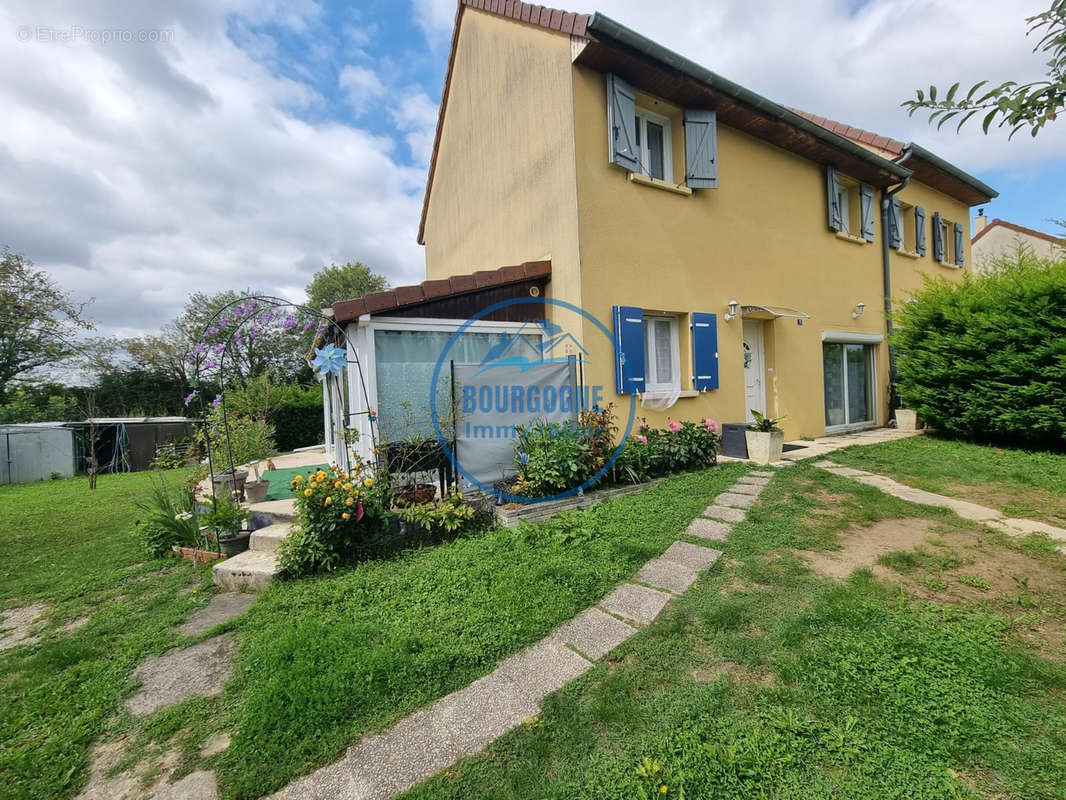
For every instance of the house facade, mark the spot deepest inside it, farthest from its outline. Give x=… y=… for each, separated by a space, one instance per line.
x=999 y=239
x=737 y=250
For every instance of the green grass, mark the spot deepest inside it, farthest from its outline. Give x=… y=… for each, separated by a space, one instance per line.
x=70 y=548
x=1021 y=483
x=766 y=681
x=320 y=662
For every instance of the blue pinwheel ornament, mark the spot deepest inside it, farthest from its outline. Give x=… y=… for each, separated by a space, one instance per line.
x=328 y=360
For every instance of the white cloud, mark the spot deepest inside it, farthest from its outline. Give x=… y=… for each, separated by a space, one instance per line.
x=435 y=18
x=416 y=115
x=138 y=173
x=362 y=86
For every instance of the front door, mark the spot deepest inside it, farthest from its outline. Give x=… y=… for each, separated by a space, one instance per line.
x=754 y=369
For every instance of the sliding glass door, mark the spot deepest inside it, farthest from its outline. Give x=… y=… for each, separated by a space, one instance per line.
x=848 y=372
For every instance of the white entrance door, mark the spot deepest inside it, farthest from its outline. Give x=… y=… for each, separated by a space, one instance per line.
x=754 y=369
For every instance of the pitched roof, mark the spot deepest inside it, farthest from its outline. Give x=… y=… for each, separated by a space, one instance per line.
x=1002 y=223
x=405 y=296
x=884 y=143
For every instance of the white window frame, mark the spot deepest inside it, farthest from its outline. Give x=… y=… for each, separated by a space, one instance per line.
x=870 y=341
x=947 y=233
x=651 y=384
x=643 y=118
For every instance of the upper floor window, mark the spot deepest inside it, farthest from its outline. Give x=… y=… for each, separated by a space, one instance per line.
x=848 y=200
x=653 y=145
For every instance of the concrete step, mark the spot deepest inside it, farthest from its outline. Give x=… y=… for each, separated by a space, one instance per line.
x=249 y=571
x=266 y=540
x=280 y=510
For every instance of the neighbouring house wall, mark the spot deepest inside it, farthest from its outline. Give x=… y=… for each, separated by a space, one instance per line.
x=504 y=189
x=999 y=240
x=760 y=238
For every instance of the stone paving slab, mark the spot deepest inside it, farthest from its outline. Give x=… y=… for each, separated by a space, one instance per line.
x=595 y=633
x=760 y=473
x=664 y=573
x=724 y=513
x=692 y=556
x=710 y=529
x=222 y=608
x=747 y=488
x=638 y=603
x=541 y=669
x=194 y=786
x=847 y=472
x=199 y=670
x=735 y=500
x=753 y=480
x=964 y=509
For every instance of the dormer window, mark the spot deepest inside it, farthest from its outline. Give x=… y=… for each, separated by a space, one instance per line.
x=653 y=145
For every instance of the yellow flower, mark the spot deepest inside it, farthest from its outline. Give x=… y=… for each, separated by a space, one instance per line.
x=348 y=487
x=346 y=515
x=298 y=478
x=329 y=500
x=337 y=485
x=663 y=789
x=321 y=474
x=307 y=492
x=349 y=501
x=368 y=482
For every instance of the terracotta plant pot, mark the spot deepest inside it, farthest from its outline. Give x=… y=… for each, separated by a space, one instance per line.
x=764 y=447
x=417 y=494
x=196 y=555
x=256 y=491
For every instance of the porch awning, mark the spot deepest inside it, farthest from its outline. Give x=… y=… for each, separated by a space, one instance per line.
x=771 y=312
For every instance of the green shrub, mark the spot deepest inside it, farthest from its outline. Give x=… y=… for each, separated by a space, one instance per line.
x=167 y=518
x=248 y=439
x=294 y=410
x=985 y=358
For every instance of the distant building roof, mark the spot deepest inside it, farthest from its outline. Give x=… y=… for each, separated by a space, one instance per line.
x=1002 y=223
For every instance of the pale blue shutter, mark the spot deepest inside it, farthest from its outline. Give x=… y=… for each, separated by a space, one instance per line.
x=895 y=224
x=960 y=253
x=622 y=123
x=938 y=237
x=919 y=230
x=866 y=198
x=704 y=351
x=701 y=149
x=832 y=190
x=628 y=349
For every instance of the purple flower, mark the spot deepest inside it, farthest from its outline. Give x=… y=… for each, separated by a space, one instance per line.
x=217 y=401
x=189 y=397
x=253 y=334
x=218 y=348
x=289 y=322
x=201 y=348
x=307 y=326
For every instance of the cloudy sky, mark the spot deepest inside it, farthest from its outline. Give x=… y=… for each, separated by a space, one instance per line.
x=148 y=150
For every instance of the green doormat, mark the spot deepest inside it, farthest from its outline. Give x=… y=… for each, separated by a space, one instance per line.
x=279 y=480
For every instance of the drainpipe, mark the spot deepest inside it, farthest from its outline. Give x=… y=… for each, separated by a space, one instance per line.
x=886 y=271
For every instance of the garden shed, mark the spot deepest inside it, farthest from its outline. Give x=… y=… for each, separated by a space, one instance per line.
x=35 y=451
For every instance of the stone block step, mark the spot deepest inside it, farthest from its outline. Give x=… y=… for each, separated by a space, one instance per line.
x=249 y=571
x=266 y=540
x=280 y=510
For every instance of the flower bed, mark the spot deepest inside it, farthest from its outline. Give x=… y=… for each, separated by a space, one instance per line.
x=511 y=514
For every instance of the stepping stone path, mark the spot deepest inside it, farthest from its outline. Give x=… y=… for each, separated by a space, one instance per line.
x=467 y=721
x=18 y=626
x=222 y=608
x=199 y=670
x=965 y=509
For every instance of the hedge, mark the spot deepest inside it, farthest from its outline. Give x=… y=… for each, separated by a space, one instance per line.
x=985 y=358
x=298 y=420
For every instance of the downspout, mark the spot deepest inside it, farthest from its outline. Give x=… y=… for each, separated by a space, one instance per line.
x=886 y=273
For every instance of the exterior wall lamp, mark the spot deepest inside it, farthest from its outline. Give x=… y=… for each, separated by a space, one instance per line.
x=733 y=307
x=860 y=309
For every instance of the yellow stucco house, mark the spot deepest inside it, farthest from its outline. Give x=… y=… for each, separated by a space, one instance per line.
x=742 y=254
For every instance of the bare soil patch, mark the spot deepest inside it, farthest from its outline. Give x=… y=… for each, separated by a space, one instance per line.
x=862 y=546
x=134 y=783
x=19 y=626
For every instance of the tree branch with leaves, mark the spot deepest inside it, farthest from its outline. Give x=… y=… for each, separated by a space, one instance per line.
x=1014 y=105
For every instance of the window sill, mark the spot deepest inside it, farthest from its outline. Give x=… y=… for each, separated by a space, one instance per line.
x=655 y=183
x=847 y=237
x=948 y=265
x=907 y=253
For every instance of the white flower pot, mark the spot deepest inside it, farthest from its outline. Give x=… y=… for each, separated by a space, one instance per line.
x=764 y=447
x=906 y=419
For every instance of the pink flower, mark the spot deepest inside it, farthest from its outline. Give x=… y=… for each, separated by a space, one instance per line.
x=644 y=425
x=712 y=426
x=673 y=426
x=642 y=439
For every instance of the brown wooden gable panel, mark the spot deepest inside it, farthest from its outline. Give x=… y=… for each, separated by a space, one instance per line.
x=464 y=306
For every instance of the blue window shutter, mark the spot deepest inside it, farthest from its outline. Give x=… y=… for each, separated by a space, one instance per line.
x=919 y=230
x=701 y=149
x=960 y=253
x=622 y=123
x=832 y=190
x=704 y=351
x=628 y=349
x=866 y=196
x=938 y=237
x=895 y=224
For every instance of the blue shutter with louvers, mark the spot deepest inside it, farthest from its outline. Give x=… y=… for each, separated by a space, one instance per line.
x=628 y=349
x=622 y=123
x=895 y=224
x=701 y=149
x=704 y=351
x=938 y=237
x=919 y=230
x=866 y=196
x=960 y=253
x=832 y=190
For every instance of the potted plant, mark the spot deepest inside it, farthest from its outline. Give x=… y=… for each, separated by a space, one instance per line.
x=224 y=520
x=906 y=419
x=255 y=491
x=765 y=438
x=230 y=482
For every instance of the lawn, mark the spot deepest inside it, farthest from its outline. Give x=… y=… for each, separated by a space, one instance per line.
x=916 y=677
x=1021 y=483
x=320 y=661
